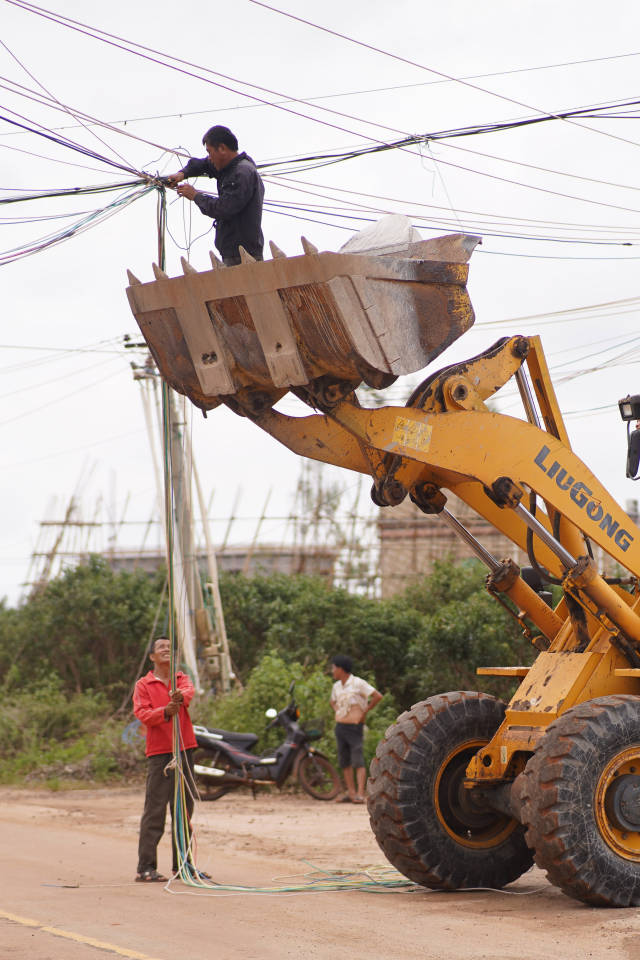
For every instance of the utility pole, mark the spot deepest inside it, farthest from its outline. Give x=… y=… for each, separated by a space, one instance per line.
x=219 y=651
x=196 y=633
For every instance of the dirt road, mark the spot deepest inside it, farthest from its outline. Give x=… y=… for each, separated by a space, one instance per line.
x=67 y=891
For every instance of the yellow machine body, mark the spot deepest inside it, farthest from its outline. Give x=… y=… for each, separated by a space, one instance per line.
x=233 y=336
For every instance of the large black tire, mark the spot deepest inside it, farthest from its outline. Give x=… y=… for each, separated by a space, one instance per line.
x=582 y=778
x=208 y=788
x=318 y=777
x=420 y=812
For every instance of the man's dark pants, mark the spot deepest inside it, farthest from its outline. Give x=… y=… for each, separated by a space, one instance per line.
x=349 y=740
x=235 y=261
x=159 y=793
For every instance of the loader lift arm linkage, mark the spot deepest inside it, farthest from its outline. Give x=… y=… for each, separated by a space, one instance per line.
x=469 y=450
x=460 y=777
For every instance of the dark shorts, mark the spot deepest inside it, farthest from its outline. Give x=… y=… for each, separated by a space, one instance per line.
x=349 y=737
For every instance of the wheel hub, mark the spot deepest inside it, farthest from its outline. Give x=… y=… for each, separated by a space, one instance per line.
x=617 y=803
x=465 y=817
x=622 y=802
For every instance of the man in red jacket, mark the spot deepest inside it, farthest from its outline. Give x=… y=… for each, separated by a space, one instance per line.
x=155 y=705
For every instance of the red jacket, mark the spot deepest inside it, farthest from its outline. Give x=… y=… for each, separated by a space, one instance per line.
x=150 y=697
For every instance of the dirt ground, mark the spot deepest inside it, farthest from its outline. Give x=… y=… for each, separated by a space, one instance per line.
x=67 y=863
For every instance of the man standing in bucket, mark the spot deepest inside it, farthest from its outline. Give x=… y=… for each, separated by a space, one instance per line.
x=155 y=705
x=237 y=210
x=351 y=699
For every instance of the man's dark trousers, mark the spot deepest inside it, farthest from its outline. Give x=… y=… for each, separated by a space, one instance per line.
x=159 y=793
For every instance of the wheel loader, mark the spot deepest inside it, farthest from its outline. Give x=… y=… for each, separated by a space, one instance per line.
x=465 y=790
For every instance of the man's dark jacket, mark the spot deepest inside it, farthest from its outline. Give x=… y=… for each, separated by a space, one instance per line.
x=237 y=210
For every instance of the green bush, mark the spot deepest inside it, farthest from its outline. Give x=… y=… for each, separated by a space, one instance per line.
x=88 y=628
x=48 y=737
x=306 y=621
x=268 y=686
x=69 y=655
x=463 y=628
x=45 y=714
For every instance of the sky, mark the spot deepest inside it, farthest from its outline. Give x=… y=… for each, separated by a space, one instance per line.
x=555 y=202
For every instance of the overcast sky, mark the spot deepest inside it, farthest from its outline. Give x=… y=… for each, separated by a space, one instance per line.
x=71 y=418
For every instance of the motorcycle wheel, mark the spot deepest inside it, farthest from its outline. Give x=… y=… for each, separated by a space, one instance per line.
x=209 y=788
x=318 y=777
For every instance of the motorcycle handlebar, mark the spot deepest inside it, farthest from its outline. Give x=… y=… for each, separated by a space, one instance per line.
x=291 y=710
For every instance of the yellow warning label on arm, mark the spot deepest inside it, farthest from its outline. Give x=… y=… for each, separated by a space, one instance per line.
x=412 y=433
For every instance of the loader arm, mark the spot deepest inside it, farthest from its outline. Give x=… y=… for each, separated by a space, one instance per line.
x=486 y=447
x=468 y=452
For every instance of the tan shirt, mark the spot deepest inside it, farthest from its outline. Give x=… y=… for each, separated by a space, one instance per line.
x=350 y=699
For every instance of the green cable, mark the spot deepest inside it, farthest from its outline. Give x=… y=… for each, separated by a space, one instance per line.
x=72 y=192
x=373 y=880
x=182 y=832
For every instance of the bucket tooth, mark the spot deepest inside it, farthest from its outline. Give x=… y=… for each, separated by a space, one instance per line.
x=215 y=263
x=187 y=267
x=308 y=247
x=244 y=256
x=276 y=252
x=158 y=273
x=133 y=281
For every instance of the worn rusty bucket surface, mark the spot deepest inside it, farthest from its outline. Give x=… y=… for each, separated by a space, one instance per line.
x=320 y=323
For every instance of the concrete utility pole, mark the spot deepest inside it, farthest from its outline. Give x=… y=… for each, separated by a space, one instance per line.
x=196 y=634
x=221 y=650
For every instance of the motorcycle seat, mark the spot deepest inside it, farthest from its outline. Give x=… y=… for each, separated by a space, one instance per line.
x=242 y=740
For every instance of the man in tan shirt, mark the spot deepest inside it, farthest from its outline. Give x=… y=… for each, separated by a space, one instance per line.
x=351 y=699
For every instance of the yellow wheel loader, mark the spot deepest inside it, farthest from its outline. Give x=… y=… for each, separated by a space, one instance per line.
x=465 y=790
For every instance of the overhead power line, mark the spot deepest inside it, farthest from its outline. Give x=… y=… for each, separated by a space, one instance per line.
x=26 y=92
x=345 y=93
x=572 y=311
x=379 y=146
x=62 y=106
x=317 y=190
x=421 y=66
x=66 y=163
x=296 y=211
x=293 y=184
x=325 y=159
x=84 y=223
x=72 y=191
x=64 y=141
x=179 y=64
x=145 y=51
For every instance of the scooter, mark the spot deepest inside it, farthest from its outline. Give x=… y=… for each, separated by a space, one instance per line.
x=223 y=761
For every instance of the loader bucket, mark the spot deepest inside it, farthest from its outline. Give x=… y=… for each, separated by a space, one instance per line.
x=320 y=323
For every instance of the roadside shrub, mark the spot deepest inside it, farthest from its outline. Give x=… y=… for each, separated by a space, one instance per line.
x=268 y=686
x=48 y=737
x=45 y=714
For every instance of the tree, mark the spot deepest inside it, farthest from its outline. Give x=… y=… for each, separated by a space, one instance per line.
x=88 y=627
x=463 y=628
x=268 y=685
x=306 y=621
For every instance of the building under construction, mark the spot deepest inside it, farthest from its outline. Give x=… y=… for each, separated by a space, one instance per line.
x=411 y=542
